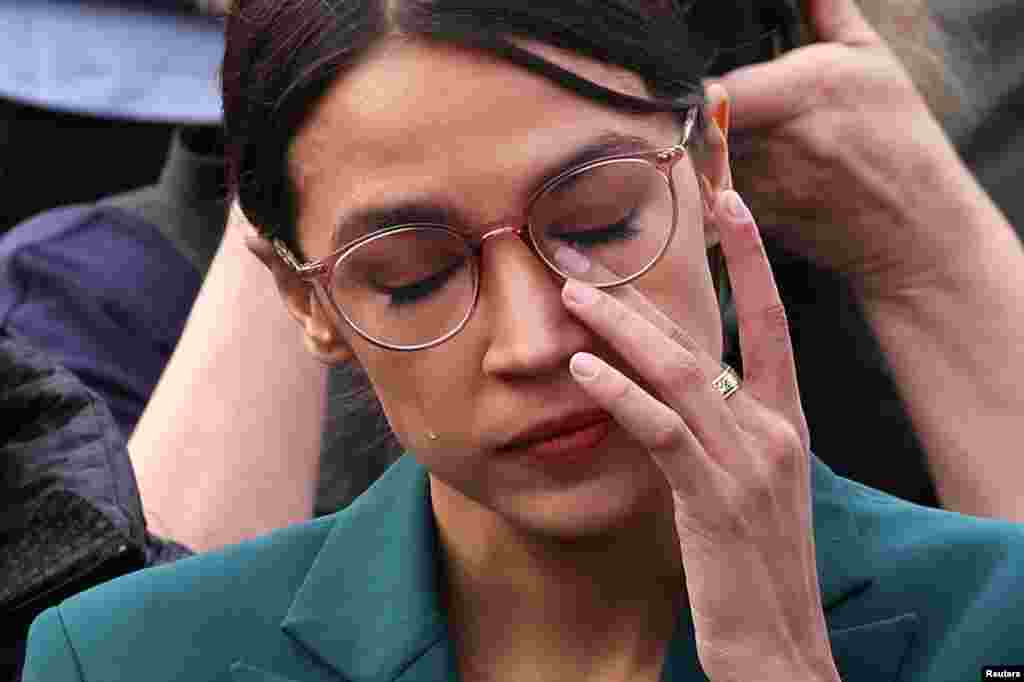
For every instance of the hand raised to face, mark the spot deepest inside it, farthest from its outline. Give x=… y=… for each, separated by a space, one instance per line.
x=738 y=466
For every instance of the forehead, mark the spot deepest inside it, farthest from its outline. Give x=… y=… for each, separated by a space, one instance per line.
x=417 y=117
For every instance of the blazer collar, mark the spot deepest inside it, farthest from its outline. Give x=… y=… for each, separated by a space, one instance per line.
x=370 y=605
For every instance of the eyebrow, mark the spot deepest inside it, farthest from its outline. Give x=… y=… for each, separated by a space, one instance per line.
x=362 y=221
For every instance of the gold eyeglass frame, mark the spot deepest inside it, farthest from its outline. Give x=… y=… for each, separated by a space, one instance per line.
x=319 y=272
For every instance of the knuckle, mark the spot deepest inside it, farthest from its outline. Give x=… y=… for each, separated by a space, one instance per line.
x=775 y=320
x=681 y=338
x=770 y=323
x=619 y=389
x=782 y=449
x=759 y=496
x=667 y=436
x=751 y=249
x=681 y=369
x=830 y=82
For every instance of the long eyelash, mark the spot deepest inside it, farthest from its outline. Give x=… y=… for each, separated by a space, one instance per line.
x=614 y=233
x=413 y=292
x=622 y=229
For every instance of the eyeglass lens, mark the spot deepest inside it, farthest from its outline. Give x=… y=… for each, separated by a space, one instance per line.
x=414 y=285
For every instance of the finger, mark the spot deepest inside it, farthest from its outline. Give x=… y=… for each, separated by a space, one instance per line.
x=772 y=93
x=578 y=263
x=665 y=435
x=839 y=21
x=765 y=343
x=658 y=353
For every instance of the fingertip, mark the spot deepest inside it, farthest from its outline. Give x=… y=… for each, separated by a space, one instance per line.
x=584 y=366
x=737 y=227
x=732 y=207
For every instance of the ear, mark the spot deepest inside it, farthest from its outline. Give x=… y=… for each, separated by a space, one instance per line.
x=713 y=170
x=308 y=306
x=304 y=303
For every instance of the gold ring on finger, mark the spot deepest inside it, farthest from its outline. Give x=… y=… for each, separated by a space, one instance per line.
x=727 y=383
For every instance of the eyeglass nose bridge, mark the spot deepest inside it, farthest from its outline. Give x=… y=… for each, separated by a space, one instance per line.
x=521 y=231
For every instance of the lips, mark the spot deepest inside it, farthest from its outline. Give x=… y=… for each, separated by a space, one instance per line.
x=556 y=429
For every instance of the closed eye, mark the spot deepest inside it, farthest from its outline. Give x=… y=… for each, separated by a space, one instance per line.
x=590 y=237
x=414 y=292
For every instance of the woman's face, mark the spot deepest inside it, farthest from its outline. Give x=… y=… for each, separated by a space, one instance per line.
x=452 y=127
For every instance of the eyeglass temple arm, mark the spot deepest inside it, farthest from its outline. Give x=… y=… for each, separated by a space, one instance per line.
x=286 y=255
x=688 y=125
x=675 y=152
x=301 y=269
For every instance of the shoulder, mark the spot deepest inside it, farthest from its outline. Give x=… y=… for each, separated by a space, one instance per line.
x=43 y=227
x=53 y=227
x=211 y=605
x=69 y=251
x=83 y=229
x=102 y=292
x=895 y=526
x=961 y=576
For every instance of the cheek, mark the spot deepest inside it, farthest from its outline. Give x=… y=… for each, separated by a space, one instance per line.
x=422 y=392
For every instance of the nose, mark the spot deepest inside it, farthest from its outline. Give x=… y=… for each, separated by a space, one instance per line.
x=530 y=331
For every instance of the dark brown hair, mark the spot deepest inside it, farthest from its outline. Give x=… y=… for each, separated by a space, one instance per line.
x=282 y=55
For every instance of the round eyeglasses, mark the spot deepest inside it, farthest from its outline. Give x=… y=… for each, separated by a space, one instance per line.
x=415 y=285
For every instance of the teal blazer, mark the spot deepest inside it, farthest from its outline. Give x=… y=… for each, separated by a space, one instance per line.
x=910 y=594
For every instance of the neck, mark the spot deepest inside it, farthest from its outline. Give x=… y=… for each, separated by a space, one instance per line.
x=526 y=606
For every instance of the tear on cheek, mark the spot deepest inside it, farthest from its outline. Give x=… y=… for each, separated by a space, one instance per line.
x=571 y=261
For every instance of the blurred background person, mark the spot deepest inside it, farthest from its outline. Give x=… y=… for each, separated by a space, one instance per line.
x=71 y=516
x=90 y=91
x=105 y=286
x=97 y=100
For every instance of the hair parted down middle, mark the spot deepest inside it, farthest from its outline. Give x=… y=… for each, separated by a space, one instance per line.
x=282 y=55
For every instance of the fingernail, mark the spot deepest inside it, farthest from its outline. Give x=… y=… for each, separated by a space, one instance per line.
x=584 y=366
x=571 y=260
x=579 y=293
x=735 y=207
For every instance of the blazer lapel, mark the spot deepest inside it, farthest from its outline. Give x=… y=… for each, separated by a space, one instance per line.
x=240 y=672
x=870 y=652
x=873 y=650
x=369 y=607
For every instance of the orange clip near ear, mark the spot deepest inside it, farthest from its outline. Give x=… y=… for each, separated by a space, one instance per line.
x=721 y=118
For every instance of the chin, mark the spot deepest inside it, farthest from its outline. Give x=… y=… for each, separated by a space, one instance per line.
x=624 y=494
x=619 y=488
